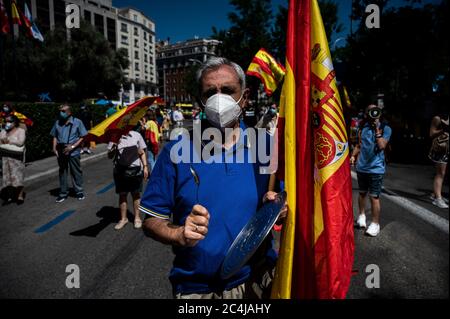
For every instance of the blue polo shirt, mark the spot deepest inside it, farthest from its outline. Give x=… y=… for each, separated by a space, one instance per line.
x=371 y=159
x=231 y=192
x=69 y=133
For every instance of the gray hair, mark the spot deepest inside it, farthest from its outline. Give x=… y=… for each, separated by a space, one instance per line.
x=214 y=63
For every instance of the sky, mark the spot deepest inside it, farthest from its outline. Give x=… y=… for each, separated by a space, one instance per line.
x=181 y=20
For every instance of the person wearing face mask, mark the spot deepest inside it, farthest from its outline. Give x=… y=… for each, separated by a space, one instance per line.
x=200 y=206
x=68 y=133
x=12 y=151
x=368 y=154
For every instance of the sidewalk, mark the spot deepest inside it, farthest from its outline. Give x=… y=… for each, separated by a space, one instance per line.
x=49 y=166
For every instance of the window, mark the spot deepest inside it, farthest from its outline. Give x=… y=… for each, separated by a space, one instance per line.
x=124 y=28
x=145 y=58
x=136 y=31
x=136 y=66
x=124 y=40
x=98 y=21
x=136 y=54
x=145 y=35
x=136 y=43
x=135 y=17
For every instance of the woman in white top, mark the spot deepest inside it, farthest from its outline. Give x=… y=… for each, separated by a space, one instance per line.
x=130 y=170
x=12 y=150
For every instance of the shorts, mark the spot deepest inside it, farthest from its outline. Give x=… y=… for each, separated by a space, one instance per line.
x=128 y=184
x=372 y=183
x=438 y=157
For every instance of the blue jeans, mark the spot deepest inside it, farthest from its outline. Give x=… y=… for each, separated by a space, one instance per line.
x=72 y=163
x=371 y=183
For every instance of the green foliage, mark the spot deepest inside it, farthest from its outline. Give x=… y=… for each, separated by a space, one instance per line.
x=68 y=70
x=44 y=115
x=249 y=31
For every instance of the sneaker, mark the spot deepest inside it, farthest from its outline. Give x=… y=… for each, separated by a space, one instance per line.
x=373 y=230
x=361 y=222
x=88 y=152
x=439 y=202
x=120 y=224
x=137 y=223
x=61 y=199
x=81 y=196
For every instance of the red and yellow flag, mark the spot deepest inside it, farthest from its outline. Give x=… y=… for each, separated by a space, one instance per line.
x=15 y=13
x=316 y=253
x=120 y=122
x=267 y=69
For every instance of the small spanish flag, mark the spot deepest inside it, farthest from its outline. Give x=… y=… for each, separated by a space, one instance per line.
x=267 y=69
x=15 y=14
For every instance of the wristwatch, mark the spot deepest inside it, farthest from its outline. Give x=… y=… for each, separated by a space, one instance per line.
x=72 y=146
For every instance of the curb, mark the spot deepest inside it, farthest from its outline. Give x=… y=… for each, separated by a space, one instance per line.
x=52 y=171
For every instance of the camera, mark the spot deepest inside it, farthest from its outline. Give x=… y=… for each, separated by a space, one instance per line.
x=374 y=113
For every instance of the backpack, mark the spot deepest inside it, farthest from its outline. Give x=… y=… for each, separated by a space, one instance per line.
x=123 y=161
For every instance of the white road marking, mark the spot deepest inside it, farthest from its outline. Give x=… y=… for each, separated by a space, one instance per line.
x=421 y=212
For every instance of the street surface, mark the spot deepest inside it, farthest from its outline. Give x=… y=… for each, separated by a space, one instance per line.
x=39 y=239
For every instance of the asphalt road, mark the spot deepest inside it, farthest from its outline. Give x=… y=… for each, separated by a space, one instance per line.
x=411 y=254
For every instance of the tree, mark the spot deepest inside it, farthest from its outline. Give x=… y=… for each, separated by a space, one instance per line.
x=69 y=70
x=249 y=31
x=329 y=12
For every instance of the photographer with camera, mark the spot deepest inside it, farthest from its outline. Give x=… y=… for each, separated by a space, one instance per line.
x=373 y=138
x=68 y=133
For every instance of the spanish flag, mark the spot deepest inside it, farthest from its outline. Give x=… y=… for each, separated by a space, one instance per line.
x=15 y=13
x=120 y=122
x=316 y=253
x=267 y=69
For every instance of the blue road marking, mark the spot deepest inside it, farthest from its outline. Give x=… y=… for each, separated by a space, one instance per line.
x=105 y=189
x=54 y=222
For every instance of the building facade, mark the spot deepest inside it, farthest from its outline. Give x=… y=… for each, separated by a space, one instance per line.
x=175 y=61
x=136 y=34
x=126 y=28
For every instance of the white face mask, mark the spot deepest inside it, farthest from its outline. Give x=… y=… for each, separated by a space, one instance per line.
x=222 y=110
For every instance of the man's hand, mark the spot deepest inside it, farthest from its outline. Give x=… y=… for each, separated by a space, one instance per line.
x=269 y=196
x=55 y=151
x=352 y=160
x=196 y=226
x=68 y=149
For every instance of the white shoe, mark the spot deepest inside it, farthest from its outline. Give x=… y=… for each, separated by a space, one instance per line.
x=120 y=224
x=439 y=202
x=137 y=224
x=361 y=222
x=373 y=230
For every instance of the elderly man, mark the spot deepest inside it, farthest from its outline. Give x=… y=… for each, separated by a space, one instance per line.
x=201 y=220
x=68 y=133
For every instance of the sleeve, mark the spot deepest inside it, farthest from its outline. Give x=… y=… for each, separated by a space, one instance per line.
x=81 y=129
x=140 y=142
x=158 y=198
x=387 y=133
x=53 y=132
